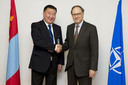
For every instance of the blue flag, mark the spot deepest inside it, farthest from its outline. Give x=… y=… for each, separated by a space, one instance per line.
x=116 y=75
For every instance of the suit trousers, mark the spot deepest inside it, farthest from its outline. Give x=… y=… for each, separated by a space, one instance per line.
x=50 y=76
x=74 y=80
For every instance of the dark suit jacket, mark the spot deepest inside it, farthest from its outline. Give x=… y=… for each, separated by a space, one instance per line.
x=43 y=48
x=84 y=54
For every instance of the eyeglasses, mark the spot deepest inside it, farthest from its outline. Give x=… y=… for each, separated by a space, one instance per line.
x=77 y=14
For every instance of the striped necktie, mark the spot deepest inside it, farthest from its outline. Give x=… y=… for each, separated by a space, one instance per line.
x=76 y=34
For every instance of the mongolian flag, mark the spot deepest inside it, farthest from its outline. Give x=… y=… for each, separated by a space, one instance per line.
x=13 y=73
x=116 y=75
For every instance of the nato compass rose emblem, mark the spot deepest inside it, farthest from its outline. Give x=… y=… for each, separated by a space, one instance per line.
x=115 y=60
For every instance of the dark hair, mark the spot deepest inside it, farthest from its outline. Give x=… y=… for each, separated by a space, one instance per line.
x=51 y=7
x=77 y=6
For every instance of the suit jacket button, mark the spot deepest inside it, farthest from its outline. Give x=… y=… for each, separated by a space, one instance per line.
x=51 y=58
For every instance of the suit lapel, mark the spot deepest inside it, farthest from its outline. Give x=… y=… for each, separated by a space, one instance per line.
x=81 y=33
x=72 y=33
x=45 y=30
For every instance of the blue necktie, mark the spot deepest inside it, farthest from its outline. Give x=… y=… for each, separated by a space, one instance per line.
x=50 y=32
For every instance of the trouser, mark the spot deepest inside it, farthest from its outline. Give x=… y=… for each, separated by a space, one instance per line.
x=50 y=77
x=74 y=80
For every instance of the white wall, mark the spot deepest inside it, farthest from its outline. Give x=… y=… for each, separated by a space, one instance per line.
x=102 y=13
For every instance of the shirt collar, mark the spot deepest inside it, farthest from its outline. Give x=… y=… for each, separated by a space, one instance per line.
x=80 y=23
x=47 y=24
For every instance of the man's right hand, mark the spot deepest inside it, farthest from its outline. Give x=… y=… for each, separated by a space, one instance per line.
x=58 y=48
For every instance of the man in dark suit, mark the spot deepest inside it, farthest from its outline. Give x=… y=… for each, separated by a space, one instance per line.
x=82 y=42
x=44 y=60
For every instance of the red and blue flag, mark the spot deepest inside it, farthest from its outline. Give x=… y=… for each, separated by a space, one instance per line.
x=13 y=73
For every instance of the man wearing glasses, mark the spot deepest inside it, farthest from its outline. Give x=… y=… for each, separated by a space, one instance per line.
x=82 y=42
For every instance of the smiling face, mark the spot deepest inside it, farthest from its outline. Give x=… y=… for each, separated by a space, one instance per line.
x=77 y=15
x=49 y=15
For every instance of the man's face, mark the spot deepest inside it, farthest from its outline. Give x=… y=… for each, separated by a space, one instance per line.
x=49 y=15
x=77 y=15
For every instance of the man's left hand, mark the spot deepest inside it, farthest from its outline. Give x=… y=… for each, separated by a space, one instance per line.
x=92 y=73
x=59 y=67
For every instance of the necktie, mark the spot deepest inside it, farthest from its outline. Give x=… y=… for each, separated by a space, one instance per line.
x=76 y=34
x=50 y=32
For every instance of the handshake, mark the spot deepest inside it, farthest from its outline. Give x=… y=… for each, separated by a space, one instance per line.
x=58 y=48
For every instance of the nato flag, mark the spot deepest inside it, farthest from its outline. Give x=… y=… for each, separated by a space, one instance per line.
x=116 y=75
